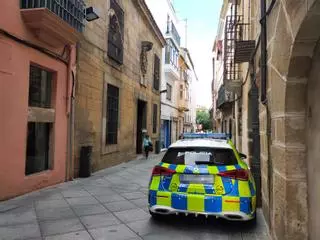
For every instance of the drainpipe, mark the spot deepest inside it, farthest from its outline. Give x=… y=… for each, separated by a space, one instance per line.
x=70 y=112
x=263 y=39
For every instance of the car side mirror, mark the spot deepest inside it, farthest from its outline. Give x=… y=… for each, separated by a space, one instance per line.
x=242 y=156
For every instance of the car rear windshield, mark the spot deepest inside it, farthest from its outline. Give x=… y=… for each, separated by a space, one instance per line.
x=200 y=156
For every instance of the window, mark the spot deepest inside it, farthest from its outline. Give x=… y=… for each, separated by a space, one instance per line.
x=200 y=155
x=40 y=121
x=169 y=91
x=116 y=32
x=37 y=147
x=155 y=118
x=112 y=114
x=181 y=91
x=171 y=54
x=156 y=73
x=40 y=88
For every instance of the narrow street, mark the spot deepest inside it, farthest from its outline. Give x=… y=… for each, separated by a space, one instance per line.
x=111 y=204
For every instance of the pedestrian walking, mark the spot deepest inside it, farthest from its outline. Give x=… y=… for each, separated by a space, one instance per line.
x=147 y=144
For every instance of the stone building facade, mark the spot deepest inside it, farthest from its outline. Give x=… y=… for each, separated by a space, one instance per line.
x=288 y=118
x=223 y=107
x=117 y=90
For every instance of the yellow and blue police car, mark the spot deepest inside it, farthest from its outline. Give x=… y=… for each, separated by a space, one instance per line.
x=203 y=174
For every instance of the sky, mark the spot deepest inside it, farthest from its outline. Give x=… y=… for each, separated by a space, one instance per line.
x=203 y=17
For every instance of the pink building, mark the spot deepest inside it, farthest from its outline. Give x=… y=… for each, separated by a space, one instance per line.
x=37 y=70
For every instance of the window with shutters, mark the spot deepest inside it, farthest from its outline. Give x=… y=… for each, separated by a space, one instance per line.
x=156 y=73
x=112 y=114
x=115 y=34
x=155 y=118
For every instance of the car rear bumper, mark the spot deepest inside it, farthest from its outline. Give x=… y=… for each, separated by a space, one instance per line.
x=230 y=216
x=228 y=207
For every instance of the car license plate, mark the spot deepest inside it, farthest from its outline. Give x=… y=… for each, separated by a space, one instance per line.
x=204 y=179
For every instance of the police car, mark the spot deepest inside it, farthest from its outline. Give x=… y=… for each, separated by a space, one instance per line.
x=203 y=174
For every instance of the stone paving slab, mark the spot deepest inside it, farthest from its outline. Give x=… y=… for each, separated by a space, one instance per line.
x=81 y=235
x=89 y=210
x=112 y=205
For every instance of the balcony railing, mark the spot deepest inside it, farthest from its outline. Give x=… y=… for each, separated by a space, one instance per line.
x=224 y=97
x=171 y=30
x=171 y=57
x=71 y=11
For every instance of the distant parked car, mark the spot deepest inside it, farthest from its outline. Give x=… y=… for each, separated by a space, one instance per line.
x=203 y=175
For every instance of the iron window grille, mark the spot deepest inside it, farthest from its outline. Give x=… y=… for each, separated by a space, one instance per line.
x=171 y=54
x=171 y=29
x=40 y=87
x=116 y=32
x=112 y=114
x=72 y=12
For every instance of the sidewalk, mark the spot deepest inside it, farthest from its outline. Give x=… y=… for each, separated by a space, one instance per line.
x=112 y=205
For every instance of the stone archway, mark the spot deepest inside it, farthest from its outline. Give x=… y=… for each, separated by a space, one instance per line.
x=293 y=54
x=313 y=144
x=302 y=91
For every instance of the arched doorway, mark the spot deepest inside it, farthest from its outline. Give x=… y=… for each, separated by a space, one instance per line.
x=313 y=145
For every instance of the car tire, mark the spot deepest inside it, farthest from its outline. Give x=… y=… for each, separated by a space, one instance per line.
x=155 y=216
x=253 y=221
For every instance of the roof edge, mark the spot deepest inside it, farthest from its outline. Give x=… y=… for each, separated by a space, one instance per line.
x=141 y=4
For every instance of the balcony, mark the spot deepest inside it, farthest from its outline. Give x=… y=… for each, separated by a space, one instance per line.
x=55 y=22
x=173 y=33
x=185 y=76
x=224 y=97
x=183 y=105
x=171 y=62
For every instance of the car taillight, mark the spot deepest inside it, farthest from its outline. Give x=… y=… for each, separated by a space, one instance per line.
x=158 y=170
x=240 y=174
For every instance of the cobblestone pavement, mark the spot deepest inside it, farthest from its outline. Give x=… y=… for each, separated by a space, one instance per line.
x=112 y=205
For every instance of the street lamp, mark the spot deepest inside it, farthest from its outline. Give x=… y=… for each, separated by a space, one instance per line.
x=91 y=14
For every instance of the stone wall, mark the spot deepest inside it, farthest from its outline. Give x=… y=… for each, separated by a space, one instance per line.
x=96 y=70
x=292 y=35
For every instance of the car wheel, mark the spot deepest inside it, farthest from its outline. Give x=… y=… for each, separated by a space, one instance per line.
x=155 y=216
x=254 y=219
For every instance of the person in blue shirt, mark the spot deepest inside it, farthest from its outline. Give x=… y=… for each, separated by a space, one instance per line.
x=147 y=145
